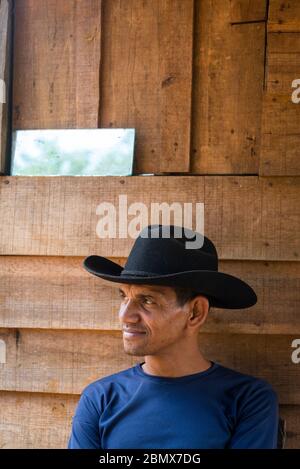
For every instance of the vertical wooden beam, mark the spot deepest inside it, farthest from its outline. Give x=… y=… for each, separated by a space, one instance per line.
x=56 y=79
x=146 y=78
x=280 y=146
x=5 y=57
x=227 y=86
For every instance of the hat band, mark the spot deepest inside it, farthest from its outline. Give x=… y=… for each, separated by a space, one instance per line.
x=140 y=273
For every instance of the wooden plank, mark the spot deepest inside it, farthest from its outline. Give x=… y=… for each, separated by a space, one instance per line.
x=280 y=147
x=65 y=361
x=227 y=86
x=246 y=217
x=35 y=420
x=56 y=64
x=57 y=293
x=146 y=78
x=5 y=52
x=244 y=11
x=284 y=16
x=59 y=361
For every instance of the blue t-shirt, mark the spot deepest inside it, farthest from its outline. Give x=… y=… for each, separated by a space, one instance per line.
x=215 y=408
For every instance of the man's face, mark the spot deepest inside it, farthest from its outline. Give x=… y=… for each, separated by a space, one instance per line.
x=154 y=312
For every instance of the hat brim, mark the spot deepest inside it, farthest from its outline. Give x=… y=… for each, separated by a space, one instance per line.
x=224 y=290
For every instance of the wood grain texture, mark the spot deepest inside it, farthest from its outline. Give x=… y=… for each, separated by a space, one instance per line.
x=280 y=146
x=148 y=85
x=56 y=76
x=227 y=86
x=284 y=16
x=33 y=420
x=246 y=217
x=57 y=293
x=61 y=361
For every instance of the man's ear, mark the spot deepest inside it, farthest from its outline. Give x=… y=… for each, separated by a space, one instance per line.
x=199 y=310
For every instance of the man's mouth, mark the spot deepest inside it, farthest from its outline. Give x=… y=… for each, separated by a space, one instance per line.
x=130 y=333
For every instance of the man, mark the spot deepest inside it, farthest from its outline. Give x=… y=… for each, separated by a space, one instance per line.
x=175 y=398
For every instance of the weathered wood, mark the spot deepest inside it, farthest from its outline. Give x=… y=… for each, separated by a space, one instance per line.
x=280 y=145
x=148 y=85
x=59 y=361
x=242 y=11
x=57 y=293
x=33 y=420
x=56 y=75
x=284 y=16
x=66 y=361
x=227 y=86
x=5 y=52
x=246 y=217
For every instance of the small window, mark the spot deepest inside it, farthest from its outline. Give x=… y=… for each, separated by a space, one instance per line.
x=72 y=152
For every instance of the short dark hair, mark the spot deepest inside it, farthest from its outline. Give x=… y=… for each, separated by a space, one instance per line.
x=185 y=294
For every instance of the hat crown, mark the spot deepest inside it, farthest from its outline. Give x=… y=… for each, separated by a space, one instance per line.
x=162 y=250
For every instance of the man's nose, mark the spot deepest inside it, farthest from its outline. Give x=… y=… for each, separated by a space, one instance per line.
x=128 y=311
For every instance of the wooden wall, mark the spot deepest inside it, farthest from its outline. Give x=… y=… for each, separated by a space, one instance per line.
x=207 y=85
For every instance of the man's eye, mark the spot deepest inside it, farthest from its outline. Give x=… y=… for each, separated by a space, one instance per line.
x=148 y=301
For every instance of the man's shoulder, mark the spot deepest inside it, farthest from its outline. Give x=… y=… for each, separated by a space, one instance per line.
x=245 y=383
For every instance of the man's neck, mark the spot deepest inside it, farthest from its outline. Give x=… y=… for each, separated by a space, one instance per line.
x=173 y=370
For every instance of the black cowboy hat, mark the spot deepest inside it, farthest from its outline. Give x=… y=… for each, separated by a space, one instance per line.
x=157 y=258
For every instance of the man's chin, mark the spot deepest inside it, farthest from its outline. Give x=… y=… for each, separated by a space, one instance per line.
x=134 y=351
